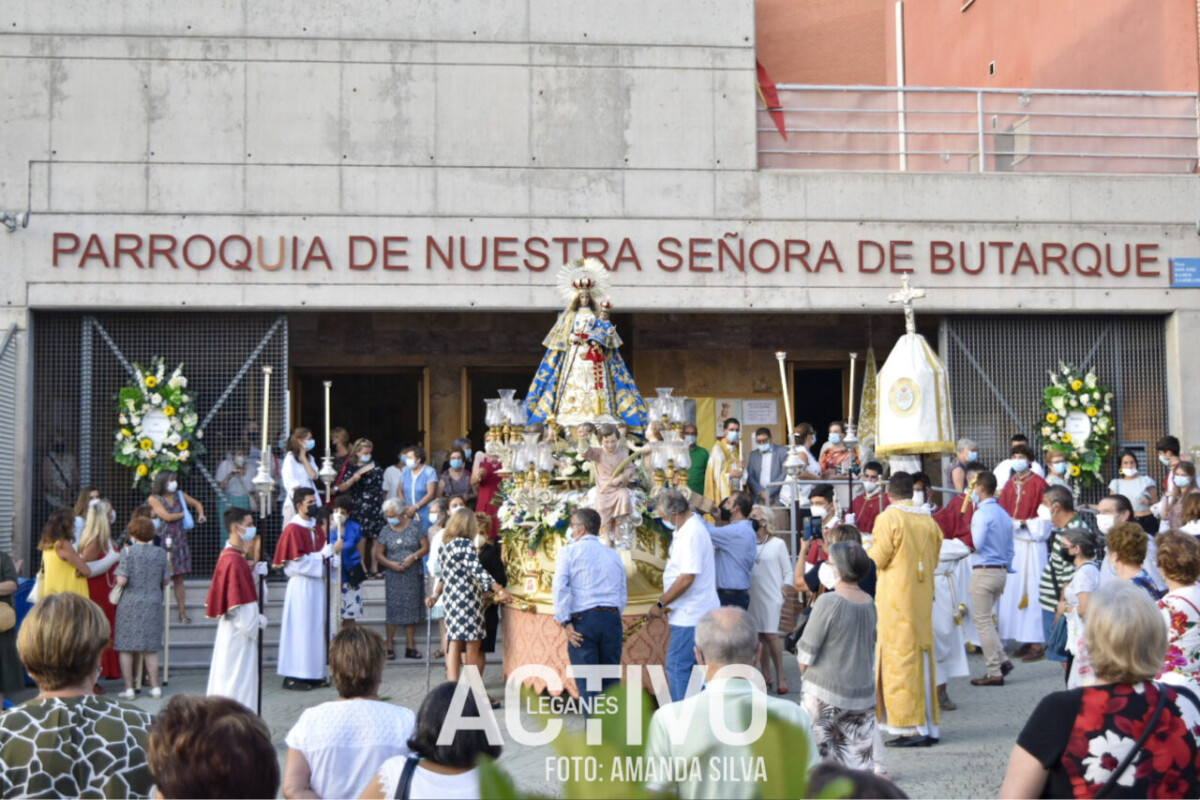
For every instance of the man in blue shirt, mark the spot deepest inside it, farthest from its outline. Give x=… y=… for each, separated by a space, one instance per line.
x=735 y=546
x=589 y=597
x=992 y=533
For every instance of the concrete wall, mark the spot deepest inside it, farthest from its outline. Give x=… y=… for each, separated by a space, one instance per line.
x=625 y=129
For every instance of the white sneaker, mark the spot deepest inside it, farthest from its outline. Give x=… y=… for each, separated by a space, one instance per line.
x=156 y=693
x=128 y=694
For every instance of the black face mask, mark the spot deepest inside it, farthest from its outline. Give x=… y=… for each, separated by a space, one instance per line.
x=1065 y=552
x=756 y=524
x=725 y=514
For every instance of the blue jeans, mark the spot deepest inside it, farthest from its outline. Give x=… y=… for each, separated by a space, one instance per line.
x=681 y=657
x=602 y=634
x=1047 y=624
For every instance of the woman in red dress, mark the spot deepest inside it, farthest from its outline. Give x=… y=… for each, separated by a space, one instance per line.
x=485 y=477
x=95 y=542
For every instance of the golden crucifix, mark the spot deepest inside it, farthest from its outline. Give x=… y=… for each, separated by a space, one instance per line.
x=906 y=295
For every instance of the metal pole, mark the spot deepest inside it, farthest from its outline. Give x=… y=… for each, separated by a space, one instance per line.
x=261 y=634
x=979 y=116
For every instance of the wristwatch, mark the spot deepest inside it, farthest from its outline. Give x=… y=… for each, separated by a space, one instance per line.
x=659 y=604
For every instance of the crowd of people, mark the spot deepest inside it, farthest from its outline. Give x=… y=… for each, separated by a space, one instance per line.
x=891 y=588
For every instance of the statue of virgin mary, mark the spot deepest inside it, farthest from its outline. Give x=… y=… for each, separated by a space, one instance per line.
x=582 y=377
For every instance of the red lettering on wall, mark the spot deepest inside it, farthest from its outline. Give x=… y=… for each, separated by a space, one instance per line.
x=802 y=256
x=1080 y=266
x=61 y=248
x=676 y=258
x=187 y=248
x=539 y=252
x=895 y=256
x=1145 y=259
x=242 y=265
x=353 y=244
x=1024 y=259
x=394 y=247
x=131 y=250
x=696 y=253
x=93 y=249
x=278 y=264
x=863 y=244
x=736 y=257
x=941 y=252
x=595 y=248
x=163 y=244
x=499 y=251
x=1060 y=255
x=757 y=257
x=828 y=256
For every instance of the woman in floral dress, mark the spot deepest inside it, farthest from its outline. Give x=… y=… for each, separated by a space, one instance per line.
x=363 y=481
x=1179 y=563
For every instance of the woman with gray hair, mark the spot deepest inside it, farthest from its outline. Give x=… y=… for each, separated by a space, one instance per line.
x=1124 y=736
x=837 y=659
x=967 y=451
x=399 y=549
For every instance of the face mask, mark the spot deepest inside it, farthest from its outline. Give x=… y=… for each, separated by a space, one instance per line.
x=1065 y=552
x=1104 y=522
x=365 y=458
x=918 y=498
x=668 y=524
x=393 y=521
x=975 y=497
x=410 y=462
x=239 y=461
x=1020 y=465
x=764 y=448
x=1129 y=472
x=835 y=438
x=732 y=436
x=972 y=456
x=819 y=512
x=725 y=513
x=1182 y=481
x=1166 y=462
x=249 y=533
x=434 y=516
x=309 y=444
x=691 y=440
x=1044 y=513
x=756 y=524
x=467 y=452
x=456 y=463
x=1059 y=467
x=870 y=486
x=92 y=503
x=173 y=486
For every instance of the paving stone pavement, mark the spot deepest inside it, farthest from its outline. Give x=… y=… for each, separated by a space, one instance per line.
x=968 y=762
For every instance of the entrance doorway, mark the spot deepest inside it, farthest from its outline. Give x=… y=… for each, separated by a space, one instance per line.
x=820 y=397
x=386 y=407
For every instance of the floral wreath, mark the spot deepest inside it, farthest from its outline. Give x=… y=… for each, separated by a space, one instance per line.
x=1074 y=400
x=153 y=393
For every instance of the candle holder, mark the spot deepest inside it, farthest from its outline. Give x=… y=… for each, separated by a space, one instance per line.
x=327 y=474
x=264 y=484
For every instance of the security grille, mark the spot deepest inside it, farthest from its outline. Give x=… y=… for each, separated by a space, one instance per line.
x=8 y=434
x=998 y=368
x=81 y=361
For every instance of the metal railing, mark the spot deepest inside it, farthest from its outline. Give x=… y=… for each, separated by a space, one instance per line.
x=933 y=129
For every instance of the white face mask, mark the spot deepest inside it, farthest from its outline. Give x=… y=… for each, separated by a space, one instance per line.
x=918 y=498
x=1044 y=513
x=1182 y=481
x=870 y=486
x=239 y=460
x=690 y=440
x=248 y=534
x=1129 y=472
x=92 y=503
x=819 y=512
x=1104 y=522
x=172 y=486
x=1019 y=465
x=731 y=436
x=835 y=438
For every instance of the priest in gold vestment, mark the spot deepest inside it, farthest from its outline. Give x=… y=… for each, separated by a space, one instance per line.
x=724 y=468
x=906 y=549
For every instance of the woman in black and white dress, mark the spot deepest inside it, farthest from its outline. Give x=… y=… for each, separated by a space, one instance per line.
x=461 y=587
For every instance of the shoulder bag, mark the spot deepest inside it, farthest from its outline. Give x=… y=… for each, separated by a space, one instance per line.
x=1151 y=724
x=404 y=787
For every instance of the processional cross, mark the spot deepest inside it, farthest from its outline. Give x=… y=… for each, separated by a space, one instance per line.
x=906 y=295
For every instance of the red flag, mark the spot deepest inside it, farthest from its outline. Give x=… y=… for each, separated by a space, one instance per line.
x=770 y=98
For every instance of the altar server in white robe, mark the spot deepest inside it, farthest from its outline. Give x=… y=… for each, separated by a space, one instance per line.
x=302 y=552
x=233 y=602
x=951 y=611
x=1019 y=611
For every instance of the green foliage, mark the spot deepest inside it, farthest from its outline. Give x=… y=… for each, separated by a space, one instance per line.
x=152 y=392
x=1072 y=392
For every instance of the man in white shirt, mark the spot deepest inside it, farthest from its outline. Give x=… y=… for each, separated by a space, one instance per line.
x=1003 y=470
x=689 y=586
x=724 y=638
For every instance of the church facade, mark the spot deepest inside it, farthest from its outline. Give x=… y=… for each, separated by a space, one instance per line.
x=381 y=195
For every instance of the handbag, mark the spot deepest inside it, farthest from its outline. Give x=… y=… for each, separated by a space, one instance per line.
x=35 y=593
x=114 y=594
x=188 y=522
x=8 y=617
x=1056 y=643
x=1151 y=724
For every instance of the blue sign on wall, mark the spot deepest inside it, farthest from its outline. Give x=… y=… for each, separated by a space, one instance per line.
x=1185 y=273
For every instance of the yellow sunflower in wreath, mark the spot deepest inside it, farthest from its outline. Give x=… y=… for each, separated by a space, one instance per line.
x=1076 y=471
x=1076 y=385
x=146 y=444
x=142 y=470
x=182 y=445
x=1066 y=437
x=1092 y=411
x=1052 y=418
x=151 y=381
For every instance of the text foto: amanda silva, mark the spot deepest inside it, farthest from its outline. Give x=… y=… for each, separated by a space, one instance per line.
x=657 y=769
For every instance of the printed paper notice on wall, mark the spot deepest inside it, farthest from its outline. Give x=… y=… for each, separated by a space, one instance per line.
x=760 y=412
x=1185 y=273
